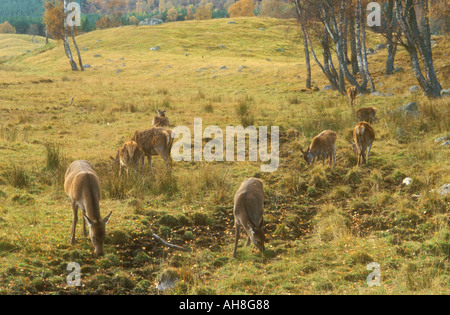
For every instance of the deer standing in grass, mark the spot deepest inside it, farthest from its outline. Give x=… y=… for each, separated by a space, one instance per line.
x=367 y=114
x=155 y=141
x=363 y=136
x=161 y=120
x=82 y=186
x=352 y=92
x=248 y=212
x=129 y=155
x=323 y=145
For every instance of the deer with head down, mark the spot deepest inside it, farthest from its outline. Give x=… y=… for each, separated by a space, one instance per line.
x=82 y=186
x=248 y=212
x=161 y=120
x=363 y=136
x=129 y=155
x=155 y=141
x=367 y=114
x=323 y=145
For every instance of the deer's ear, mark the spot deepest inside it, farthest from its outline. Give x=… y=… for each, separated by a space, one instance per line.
x=89 y=221
x=106 y=219
x=261 y=222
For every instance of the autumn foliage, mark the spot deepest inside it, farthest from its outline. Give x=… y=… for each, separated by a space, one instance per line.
x=54 y=19
x=6 y=28
x=242 y=8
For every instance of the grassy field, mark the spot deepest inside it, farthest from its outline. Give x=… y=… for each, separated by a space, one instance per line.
x=323 y=225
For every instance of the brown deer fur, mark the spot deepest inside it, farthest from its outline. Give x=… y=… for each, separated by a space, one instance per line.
x=161 y=120
x=323 y=145
x=352 y=92
x=367 y=114
x=155 y=141
x=129 y=155
x=363 y=136
x=248 y=212
x=82 y=186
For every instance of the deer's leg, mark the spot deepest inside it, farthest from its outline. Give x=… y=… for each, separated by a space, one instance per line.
x=237 y=239
x=165 y=155
x=368 y=151
x=84 y=222
x=149 y=160
x=74 y=222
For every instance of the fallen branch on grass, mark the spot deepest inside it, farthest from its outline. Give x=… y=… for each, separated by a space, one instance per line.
x=71 y=101
x=170 y=245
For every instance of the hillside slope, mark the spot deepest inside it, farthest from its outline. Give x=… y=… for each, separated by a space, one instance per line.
x=323 y=225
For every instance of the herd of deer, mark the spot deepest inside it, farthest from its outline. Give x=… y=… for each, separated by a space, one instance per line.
x=82 y=184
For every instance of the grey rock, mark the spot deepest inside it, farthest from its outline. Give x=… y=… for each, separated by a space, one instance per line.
x=370 y=51
x=445 y=92
x=445 y=189
x=153 y=21
x=231 y=22
x=446 y=143
x=443 y=138
x=241 y=68
x=96 y=56
x=414 y=89
x=327 y=88
x=410 y=109
x=223 y=68
x=155 y=48
x=381 y=46
x=86 y=66
x=376 y=93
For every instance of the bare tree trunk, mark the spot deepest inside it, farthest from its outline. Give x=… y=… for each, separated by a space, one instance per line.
x=417 y=41
x=66 y=41
x=358 y=45
x=364 y=52
x=305 y=45
x=353 y=56
x=78 y=51
x=390 y=44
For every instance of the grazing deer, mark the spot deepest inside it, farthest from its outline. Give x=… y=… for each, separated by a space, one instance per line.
x=367 y=114
x=130 y=154
x=248 y=212
x=161 y=120
x=82 y=186
x=324 y=145
x=352 y=92
x=363 y=136
x=154 y=141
